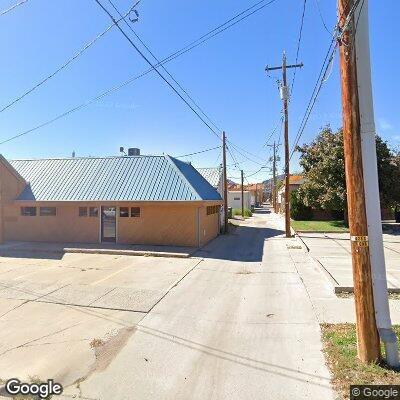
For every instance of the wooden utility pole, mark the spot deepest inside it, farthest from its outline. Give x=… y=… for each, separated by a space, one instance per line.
x=256 y=199
x=241 y=175
x=285 y=97
x=274 y=178
x=225 y=177
x=367 y=333
x=274 y=202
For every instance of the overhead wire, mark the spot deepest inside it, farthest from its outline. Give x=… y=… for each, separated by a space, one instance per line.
x=299 y=43
x=240 y=151
x=322 y=18
x=244 y=150
x=63 y=66
x=198 y=152
x=163 y=67
x=204 y=38
x=12 y=7
x=322 y=75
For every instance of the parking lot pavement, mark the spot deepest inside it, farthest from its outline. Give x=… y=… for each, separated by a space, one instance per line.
x=57 y=314
x=332 y=252
x=239 y=326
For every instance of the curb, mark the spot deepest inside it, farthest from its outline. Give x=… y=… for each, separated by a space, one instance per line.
x=350 y=289
x=16 y=252
x=127 y=252
x=320 y=266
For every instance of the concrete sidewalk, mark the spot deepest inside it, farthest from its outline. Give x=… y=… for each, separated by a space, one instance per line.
x=239 y=326
x=332 y=251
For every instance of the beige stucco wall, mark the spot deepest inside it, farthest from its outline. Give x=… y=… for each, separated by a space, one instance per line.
x=66 y=226
x=209 y=226
x=11 y=186
x=166 y=223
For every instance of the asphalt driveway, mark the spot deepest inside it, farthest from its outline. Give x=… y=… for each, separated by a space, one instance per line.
x=58 y=315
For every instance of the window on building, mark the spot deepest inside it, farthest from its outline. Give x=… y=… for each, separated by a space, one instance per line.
x=236 y=198
x=135 y=212
x=83 y=211
x=28 y=211
x=212 y=209
x=47 y=211
x=93 y=211
x=124 y=212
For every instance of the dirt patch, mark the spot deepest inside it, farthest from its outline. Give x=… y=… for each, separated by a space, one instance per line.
x=105 y=350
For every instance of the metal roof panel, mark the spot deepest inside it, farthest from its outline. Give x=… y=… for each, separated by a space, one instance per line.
x=126 y=178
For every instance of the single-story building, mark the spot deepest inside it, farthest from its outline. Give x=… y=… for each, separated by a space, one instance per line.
x=155 y=200
x=215 y=176
x=235 y=199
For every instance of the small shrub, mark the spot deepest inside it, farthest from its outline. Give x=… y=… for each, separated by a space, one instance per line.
x=238 y=211
x=298 y=210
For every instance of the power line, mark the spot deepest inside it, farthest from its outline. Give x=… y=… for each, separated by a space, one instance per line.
x=239 y=150
x=155 y=69
x=274 y=131
x=162 y=66
x=235 y=161
x=63 y=66
x=12 y=7
x=298 y=43
x=246 y=151
x=204 y=38
x=198 y=152
x=322 y=18
x=315 y=93
x=322 y=75
x=236 y=164
x=250 y=174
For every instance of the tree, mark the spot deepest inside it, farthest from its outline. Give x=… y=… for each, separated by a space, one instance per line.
x=298 y=210
x=323 y=164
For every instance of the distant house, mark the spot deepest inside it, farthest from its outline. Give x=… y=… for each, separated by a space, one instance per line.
x=295 y=181
x=256 y=190
x=131 y=199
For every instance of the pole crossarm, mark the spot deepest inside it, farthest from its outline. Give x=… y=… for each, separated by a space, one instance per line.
x=267 y=68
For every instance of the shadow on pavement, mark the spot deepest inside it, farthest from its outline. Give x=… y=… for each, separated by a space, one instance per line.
x=245 y=243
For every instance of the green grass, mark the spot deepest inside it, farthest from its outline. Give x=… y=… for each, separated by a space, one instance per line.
x=340 y=348
x=238 y=211
x=319 y=226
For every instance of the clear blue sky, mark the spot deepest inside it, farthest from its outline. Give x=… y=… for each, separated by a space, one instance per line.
x=225 y=76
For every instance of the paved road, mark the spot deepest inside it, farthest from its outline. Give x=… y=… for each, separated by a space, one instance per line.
x=52 y=311
x=240 y=325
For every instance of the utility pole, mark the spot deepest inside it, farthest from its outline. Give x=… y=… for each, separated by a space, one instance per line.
x=274 y=177
x=225 y=177
x=285 y=97
x=256 y=199
x=241 y=175
x=371 y=187
x=367 y=333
